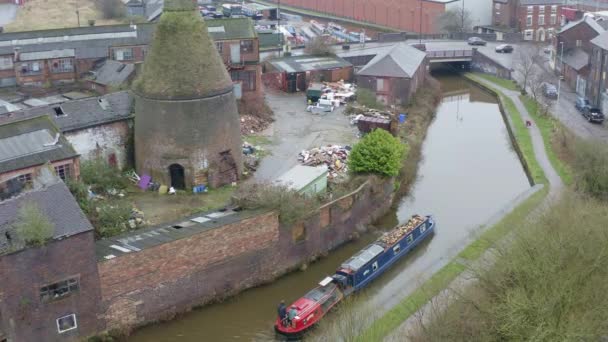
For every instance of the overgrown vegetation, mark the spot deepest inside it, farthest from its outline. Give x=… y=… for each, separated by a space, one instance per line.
x=591 y=165
x=377 y=153
x=549 y=284
x=102 y=177
x=420 y=114
x=111 y=218
x=318 y=46
x=33 y=226
x=291 y=205
x=455 y=20
x=367 y=98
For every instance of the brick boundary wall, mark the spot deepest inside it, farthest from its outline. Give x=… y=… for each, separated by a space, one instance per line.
x=162 y=281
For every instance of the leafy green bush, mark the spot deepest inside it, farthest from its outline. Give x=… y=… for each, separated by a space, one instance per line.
x=32 y=226
x=591 y=168
x=291 y=205
x=80 y=192
x=101 y=176
x=112 y=218
x=377 y=153
x=367 y=98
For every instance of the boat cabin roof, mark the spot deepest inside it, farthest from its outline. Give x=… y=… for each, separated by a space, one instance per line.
x=363 y=257
x=318 y=293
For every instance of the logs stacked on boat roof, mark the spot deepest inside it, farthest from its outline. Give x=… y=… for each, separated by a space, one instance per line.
x=334 y=156
x=394 y=235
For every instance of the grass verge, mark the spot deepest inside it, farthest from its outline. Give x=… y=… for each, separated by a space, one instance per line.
x=548 y=127
x=507 y=84
x=407 y=307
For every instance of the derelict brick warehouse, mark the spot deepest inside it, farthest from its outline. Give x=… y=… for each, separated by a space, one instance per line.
x=402 y=15
x=187 y=129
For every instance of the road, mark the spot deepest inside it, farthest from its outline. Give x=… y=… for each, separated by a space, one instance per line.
x=563 y=109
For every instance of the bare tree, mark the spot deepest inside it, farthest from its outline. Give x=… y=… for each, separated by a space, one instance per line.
x=528 y=64
x=318 y=46
x=111 y=9
x=537 y=83
x=455 y=20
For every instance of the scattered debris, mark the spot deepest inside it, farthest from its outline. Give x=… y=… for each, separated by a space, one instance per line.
x=252 y=156
x=253 y=124
x=334 y=156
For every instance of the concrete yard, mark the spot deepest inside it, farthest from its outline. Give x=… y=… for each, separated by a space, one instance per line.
x=295 y=129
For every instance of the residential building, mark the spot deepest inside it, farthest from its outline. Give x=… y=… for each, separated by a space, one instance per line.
x=49 y=292
x=539 y=20
x=96 y=127
x=52 y=57
x=26 y=145
x=395 y=74
x=504 y=13
x=238 y=45
x=575 y=40
x=598 y=82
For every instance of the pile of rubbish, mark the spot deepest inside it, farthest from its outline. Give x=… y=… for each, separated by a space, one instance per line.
x=334 y=156
x=251 y=156
x=359 y=112
x=136 y=219
x=253 y=124
x=393 y=236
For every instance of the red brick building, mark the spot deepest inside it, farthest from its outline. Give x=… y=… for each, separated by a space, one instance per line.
x=539 y=20
x=404 y=15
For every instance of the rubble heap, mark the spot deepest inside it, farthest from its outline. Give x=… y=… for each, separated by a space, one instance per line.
x=334 y=156
x=358 y=112
x=251 y=124
x=394 y=235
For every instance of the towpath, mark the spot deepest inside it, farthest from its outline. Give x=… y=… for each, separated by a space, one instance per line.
x=465 y=279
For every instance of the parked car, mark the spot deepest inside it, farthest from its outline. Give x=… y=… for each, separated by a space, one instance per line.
x=476 y=41
x=549 y=90
x=593 y=115
x=504 y=48
x=581 y=104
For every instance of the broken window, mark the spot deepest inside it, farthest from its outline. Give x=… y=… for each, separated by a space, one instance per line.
x=66 y=323
x=31 y=68
x=63 y=171
x=219 y=46
x=124 y=54
x=62 y=65
x=58 y=111
x=6 y=62
x=25 y=178
x=58 y=290
x=246 y=45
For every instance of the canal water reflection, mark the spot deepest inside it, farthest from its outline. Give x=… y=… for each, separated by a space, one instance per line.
x=469 y=173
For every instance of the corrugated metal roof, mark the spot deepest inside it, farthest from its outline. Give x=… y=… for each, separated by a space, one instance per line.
x=33 y=56
x=309 y=63
x=299 y=176
x=15 y=156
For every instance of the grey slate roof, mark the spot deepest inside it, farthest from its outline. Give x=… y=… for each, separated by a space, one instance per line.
x=542 y=2
x=576 y=58
x=601 y=41
x=87 y=42
x=29 y=143
x=112 y=73
x=83 y=113
x=401 y=60
x=55 y=201
x=587 y=20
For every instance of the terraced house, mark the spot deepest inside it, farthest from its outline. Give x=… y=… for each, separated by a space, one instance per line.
x=54 y=57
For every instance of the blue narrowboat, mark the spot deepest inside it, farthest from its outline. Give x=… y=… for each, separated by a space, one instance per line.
x=354 y=274
x=365 y=266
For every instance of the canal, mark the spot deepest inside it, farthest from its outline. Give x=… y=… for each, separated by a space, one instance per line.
x=469 y=172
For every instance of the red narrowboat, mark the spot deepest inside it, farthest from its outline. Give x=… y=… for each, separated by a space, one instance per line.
x=310 y=309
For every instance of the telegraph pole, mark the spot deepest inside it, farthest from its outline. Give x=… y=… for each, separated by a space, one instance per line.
x=420 y=20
